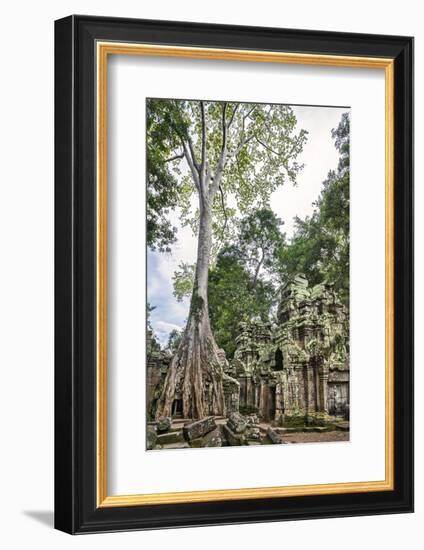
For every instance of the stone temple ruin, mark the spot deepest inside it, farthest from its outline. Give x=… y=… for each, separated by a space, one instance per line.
x=288 y=378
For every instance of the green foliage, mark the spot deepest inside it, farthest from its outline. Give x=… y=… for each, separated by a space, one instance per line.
x=174 y=339
x=162 y=183
x=234 y=298
x=152 y=342
x=183 y=280
x=242 y=284
x=259 y=242
x=320 y=246
x=248 y=149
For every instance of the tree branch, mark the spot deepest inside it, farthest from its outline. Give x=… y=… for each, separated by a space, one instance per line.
x=176 y=157
x=242 y=143
x=193 y=155
x=224 y=212
x=194 y=171
x=203 y=119
x=224 y=127
x=188 y=151
x=267 y=146
x=191 y=161
x=216 y=180
x=243 y=140
x=232 y=116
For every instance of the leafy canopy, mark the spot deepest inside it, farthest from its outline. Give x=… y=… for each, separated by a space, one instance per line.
x=245 y=151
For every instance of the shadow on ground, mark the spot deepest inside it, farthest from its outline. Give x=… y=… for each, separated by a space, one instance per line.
x=46 y=517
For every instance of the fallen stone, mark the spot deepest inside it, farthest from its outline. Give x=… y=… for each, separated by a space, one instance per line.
x=170 y=437
x=252 y=420
x=237 y=422
x=273 y=436
x=234 y=439
x=199 y=428
x=253 y=433
x=163 y=424
x=183 y=445
x=195 y=443
x=151 y=437
x=213 y=438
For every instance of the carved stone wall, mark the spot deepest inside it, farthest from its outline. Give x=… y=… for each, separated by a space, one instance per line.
x=157 y=365
x=300 y=366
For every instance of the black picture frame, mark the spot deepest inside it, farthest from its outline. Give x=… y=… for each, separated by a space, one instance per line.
x=76 y=509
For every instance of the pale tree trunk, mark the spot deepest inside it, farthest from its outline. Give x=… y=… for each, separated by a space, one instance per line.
x=196 y=373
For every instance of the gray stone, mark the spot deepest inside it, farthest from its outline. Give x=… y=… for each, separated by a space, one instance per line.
x=170 y=437
x=312 y=331
x=234 y=439
x=151 y=437
x=273 y=436
x=237 y=423
x=253 y=433
x=183 y=445
x=164 y=424
x=252 y=419
x=213 y=438
x=199 y=428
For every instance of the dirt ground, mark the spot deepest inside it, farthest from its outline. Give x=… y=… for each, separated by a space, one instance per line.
x=314 y=437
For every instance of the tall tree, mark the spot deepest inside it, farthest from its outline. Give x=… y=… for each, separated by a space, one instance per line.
x=243 y=150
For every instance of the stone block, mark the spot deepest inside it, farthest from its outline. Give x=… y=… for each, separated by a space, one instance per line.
x=253 y=433
x=151 y=437
x=164 y=424
x=252 y=419
x=183 y=445
x=273 y=436
x=237 y=422
x=213 y=438
x=234 y=439
x=170 y=437
x=199 y=428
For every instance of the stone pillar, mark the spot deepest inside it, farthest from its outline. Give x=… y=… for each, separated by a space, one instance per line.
x=263 y=400
x=310 y=388
x=323 y=389
x=250 y=402
x=279 y=402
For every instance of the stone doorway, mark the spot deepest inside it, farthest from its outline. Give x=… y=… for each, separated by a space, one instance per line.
x=279 y=360
x=177 y=408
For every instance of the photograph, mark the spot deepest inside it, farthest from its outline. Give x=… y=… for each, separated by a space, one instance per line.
x=247 y=286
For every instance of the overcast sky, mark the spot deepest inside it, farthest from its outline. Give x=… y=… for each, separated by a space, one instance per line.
x=319 y=156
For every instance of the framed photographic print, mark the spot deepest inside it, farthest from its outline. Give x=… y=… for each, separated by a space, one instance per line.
x=234 y=273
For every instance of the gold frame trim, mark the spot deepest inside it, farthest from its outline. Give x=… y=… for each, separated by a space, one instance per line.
x=104 y=49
